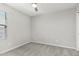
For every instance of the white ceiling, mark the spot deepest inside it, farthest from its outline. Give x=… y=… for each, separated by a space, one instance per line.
x=43 y=7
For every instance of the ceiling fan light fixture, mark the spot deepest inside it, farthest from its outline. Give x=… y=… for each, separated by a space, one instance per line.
x=34 y=5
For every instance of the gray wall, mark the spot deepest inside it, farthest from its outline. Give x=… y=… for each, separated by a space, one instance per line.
x=77 y=27
x=19 y=29
x=55 y=29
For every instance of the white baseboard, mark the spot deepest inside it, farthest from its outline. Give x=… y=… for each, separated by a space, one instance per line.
x=36 y=42
x=13 y=48
x=54 y=45
x=77 y=49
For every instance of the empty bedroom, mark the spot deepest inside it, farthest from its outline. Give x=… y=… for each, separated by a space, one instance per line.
x=39 y=29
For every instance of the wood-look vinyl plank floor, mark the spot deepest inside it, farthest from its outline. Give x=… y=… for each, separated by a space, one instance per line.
x=36 y=49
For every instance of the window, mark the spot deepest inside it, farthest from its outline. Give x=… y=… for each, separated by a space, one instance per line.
x=3 y=25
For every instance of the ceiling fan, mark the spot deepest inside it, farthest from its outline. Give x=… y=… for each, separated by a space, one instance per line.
x=35 y=6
